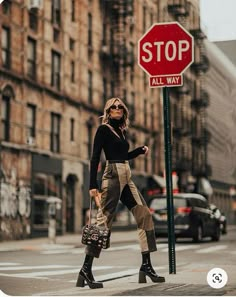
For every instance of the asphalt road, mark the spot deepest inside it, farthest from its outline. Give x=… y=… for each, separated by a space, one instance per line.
x=53 y=269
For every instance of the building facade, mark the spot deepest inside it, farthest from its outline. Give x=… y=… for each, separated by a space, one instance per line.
x=60 y=61
x=221 y=81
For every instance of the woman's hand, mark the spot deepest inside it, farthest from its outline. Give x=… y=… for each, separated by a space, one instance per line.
x=96 y=196
x=145 y=148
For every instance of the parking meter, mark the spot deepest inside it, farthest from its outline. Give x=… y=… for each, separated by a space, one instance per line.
x=54 y=203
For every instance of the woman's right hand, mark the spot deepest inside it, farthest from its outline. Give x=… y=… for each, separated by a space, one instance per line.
x=95 y=195
x=93 y=192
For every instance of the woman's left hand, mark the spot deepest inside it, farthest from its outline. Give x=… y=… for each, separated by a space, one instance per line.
x=145 y=148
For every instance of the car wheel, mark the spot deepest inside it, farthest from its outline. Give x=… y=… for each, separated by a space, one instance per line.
x=224 y=229
x=216 y=236
x=198 y=235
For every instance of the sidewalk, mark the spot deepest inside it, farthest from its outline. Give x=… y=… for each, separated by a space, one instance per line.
x=67 y=239
x=123 y=236
x=188 y=281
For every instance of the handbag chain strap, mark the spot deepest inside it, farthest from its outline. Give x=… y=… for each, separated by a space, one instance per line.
x=90 y=213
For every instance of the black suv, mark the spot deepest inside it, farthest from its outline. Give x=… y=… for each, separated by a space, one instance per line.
x=193 y=217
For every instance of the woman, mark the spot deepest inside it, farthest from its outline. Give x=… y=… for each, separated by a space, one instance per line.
x=117 y=185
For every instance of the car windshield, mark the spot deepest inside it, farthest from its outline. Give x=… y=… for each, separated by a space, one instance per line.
x=161 y=203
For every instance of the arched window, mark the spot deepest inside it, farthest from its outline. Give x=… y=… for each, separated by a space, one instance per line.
x=7 y=95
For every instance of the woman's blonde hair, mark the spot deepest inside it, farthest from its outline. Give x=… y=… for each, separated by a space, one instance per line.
x=107 y=107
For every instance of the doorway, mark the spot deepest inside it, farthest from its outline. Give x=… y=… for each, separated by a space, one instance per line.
x=70 y=203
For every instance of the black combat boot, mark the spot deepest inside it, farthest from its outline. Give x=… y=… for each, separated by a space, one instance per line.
x=86 y=275
x=146 y=269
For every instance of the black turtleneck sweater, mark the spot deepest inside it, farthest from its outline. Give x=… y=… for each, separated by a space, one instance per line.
x=115 y=148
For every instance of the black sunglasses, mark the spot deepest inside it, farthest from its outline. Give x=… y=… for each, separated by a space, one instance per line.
x=117 y=106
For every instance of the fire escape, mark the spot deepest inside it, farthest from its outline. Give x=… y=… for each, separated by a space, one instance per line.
x=190 y=132
x=116 y=52
x=200 y=102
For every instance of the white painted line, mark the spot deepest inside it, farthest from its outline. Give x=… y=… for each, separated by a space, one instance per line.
x=124 y=247
x=33 y=267
x=9 y=264
x=212 y=249
x=183 y=248
x=57 y=246
x=45 y=274
x=52 y=252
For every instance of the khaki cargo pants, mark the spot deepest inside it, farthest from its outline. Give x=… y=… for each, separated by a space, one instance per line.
x=117 y=185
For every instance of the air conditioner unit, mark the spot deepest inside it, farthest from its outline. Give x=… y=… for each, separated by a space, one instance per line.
x=35 y=4
x=105 y=49
x=30 y=140
x=132 y=20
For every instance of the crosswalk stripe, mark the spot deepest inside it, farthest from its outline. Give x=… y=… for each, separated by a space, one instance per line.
x=45 y=274
x=52 y=252
x=162 y=247
x=212 y=249
x=33 y=267
x=182 y=248
x=124 y=247
x=9 y=264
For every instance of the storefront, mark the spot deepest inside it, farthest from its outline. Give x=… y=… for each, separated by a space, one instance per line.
x=46 y=183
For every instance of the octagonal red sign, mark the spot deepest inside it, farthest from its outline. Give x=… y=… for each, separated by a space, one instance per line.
x=165 y=49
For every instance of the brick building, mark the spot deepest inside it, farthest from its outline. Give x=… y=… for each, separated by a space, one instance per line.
x=60 y=61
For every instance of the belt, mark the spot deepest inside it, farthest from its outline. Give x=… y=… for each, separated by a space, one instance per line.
x=117 y=161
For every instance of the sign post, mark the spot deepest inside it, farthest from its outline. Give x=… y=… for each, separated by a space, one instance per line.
x=165 y=51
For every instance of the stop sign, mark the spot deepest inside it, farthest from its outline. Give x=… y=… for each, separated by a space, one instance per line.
x=165 y=49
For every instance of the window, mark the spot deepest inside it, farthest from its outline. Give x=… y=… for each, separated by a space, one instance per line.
x=31 y=71
x=44 y=186
x=6 y=59
x=90 y=86
x=72 y=44
x=132 y=106
x=89 y=141
x=55 y=132
x=112 y=88
x=72 y=129
x=145 y=112
x=56 y=35
x=56 y=12
x=31 y=120
x=154 y=156
x=152 y=117
x=104 y=90
x=6 y=7
x=89 y=30
x=5 y=118
x=104 y=33
x=144 y=18
x=72 y=10
x=33 y=19
x=72 y=71
x=56 y=66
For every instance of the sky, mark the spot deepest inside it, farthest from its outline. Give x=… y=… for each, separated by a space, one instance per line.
x=218 y=19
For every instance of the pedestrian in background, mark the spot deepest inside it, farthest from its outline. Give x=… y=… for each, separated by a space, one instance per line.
x=118 y=185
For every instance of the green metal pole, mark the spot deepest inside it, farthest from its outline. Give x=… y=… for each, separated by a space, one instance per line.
x=169 y=192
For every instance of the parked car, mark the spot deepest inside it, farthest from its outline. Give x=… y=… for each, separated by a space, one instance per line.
x=221 y=217
x=193 y=217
